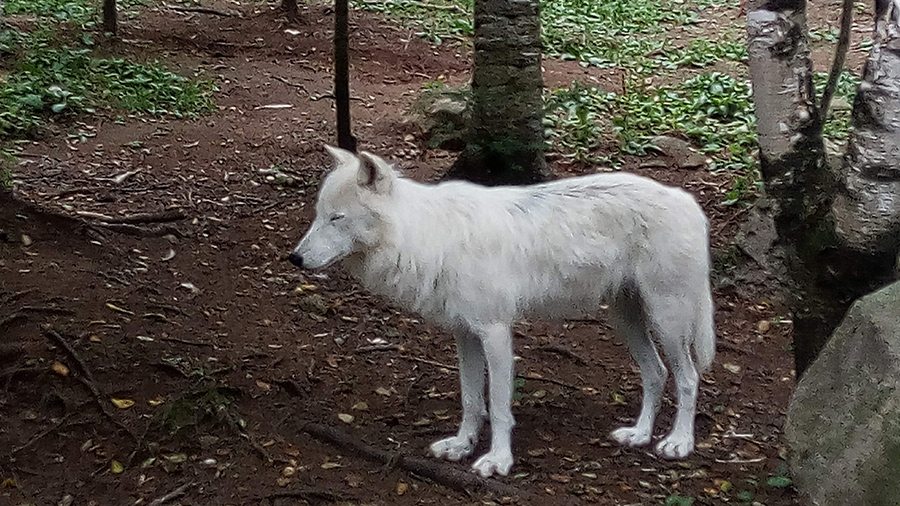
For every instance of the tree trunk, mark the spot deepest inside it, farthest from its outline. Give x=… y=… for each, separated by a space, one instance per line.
x=841 y=229
x=505 y=140
x=792 y=158
x=110 y=21
x=290 y=8
x=867 y=209
x=342 y=75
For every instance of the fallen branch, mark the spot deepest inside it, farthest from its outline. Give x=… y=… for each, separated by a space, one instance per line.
x=198 y=10
x=178 y=492
x=378 y=347
x=40 y=435
x=434 y=470
x=129 y=229
x=47 y=309
x=310 y=495
x=87 y=379
x=185 y=341
x=423 y=5
x=158 y=217
x=289 y=83
x=559 y=350
x=6 y=322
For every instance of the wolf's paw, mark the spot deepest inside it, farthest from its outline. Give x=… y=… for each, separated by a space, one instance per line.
x=493 y=462
x=631 y=436
x=453 y=448
x=676 y=446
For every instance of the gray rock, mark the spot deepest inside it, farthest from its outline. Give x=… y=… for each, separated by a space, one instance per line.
x=442 y=115
x=680 y=151
x=843 y=424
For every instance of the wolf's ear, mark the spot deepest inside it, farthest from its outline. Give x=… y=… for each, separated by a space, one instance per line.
x=341 y=156
x=375 y=173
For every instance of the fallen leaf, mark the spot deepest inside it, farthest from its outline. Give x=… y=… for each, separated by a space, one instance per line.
x=383 y=391
x=116 y=467
x=156 y=401
x=94 y=339
x=118 y=309
x=344 y=417
x=282 y=481
x=9 y=483
x=262 y=384
x=559 y=478
x=401 y=488
x=540 y=394
x=589 y=475
x=421 y=422
x=331 y=465
x=763 y=326
x=617 y=398
x=190 y=286
x=176 y=458
x=360 y=406
x=59 y=368
x=732 y=368
x=122 y=403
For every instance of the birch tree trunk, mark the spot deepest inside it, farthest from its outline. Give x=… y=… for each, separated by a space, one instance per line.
x=842 y=229
x=867 y=209
x=792 y=157
x=506 y=137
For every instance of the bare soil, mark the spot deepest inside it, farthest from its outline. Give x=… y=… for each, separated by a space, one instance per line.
x=216 y=350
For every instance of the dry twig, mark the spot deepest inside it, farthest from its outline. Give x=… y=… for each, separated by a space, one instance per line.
x=434 y=470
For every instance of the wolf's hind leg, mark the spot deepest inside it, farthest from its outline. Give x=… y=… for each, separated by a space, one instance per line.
x=629 y=322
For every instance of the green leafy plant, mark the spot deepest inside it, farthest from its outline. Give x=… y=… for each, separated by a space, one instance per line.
x=679 y=500
x=45 y=80
x=837 y=125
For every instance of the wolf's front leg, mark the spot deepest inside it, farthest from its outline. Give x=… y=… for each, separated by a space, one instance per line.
x=471 y=382
x=498 y=350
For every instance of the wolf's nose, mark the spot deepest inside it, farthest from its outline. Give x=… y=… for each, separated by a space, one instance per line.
x=296 y=259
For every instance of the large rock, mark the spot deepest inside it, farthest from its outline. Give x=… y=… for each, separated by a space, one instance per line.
x=843 y=424
x=442 y=115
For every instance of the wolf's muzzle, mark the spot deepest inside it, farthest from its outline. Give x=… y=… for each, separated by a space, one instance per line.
x=296 y=259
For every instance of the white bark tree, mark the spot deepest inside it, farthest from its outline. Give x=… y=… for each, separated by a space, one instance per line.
x=842 y=225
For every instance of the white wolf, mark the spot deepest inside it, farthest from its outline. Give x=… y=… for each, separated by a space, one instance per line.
x=474 y=259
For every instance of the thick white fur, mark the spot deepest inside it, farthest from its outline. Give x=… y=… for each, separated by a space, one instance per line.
x=474 y=259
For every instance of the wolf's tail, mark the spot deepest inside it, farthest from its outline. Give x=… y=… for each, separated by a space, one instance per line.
x=705 y=334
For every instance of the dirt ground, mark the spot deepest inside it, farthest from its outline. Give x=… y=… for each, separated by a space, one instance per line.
x=201 y=352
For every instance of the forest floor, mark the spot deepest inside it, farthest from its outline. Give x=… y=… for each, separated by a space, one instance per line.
x=138 y=359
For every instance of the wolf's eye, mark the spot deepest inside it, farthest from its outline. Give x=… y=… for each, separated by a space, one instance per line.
x=336 y=217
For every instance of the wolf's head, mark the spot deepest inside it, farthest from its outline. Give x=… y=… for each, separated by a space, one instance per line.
x=347 y=211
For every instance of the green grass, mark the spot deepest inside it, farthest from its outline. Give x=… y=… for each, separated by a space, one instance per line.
x=837 y=126
x=611 y=32
x=76 y=11
x=47 y=79
x=714 y=110
x=606 y=34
